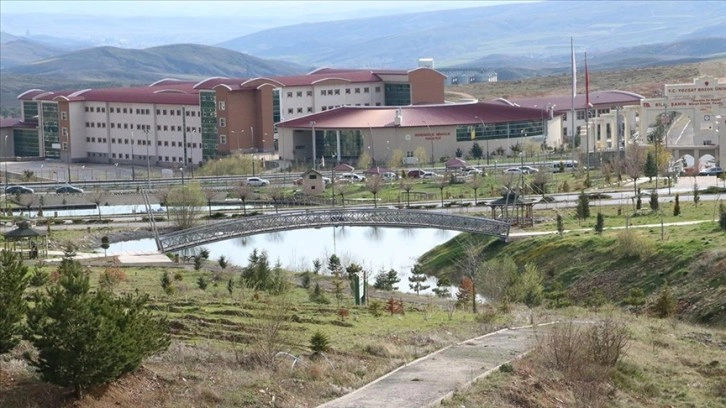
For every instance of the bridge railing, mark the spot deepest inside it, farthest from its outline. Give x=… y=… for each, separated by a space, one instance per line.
x=227 y=229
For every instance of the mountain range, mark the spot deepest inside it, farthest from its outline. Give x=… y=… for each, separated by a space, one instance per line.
x=516 y=40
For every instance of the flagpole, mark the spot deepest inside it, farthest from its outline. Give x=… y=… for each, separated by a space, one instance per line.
x=574 y=92
x=587 y=115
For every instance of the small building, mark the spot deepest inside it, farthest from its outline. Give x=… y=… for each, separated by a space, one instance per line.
x=313 y=183
x=514 y=209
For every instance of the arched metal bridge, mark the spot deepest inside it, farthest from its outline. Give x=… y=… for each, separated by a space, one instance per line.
x=241 y=227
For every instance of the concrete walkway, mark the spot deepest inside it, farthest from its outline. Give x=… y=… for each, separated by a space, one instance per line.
x=124 y=258
x=429 y=380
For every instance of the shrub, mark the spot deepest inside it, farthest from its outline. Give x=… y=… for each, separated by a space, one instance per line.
x=111 y=277
x=39 y=277
x=677 y=207
x=722 y=216
x=202 y=283
x=600 y=224
x=319 y=342
x=630 y=245
x=636 y=297
x=375 y=308
x=665 y=304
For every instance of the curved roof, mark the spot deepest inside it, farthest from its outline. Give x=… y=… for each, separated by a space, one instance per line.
x=357 y=117
x=563 y=103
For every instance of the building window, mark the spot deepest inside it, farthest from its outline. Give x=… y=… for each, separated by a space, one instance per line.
x=289 y=94
x=173 y=144
x=164 y=112
x=171 y=112
x=347 y=91
x=222 y=105
x=290 y=111
x=330 y=91
x=366 y=90
x=299 y=110
x=337 y=91
x=64 y=115
x=223 y=139
x=158 y=111
x=178 y=112
x=65 y=145
x=222 y=122
x=580 y=115
x=310 y=109
x=322 y=92
x=64 y=132
x=86 y=108
x=378 y=89
x=357 y=90
x=309 y=93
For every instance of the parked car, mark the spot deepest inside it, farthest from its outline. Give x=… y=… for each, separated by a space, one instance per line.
x=257 y=182
x=528 y=169
x=68 y=189
x=389 y=176
x=430 y=174
x=711 y=171
x=415 y=173
x=471 y=171
x=513 y=170
x=352 y=177
x=19 y=190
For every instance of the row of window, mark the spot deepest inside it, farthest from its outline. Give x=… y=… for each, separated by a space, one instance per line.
x=165 y=128
x=192 y=145
x=291 y=111
x=127 y=157
x=137 y=111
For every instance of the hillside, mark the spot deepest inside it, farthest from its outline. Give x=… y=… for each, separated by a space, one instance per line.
x=692 y=261
x=540 y=31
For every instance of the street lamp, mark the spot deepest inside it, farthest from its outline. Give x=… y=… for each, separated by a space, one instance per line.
x=484 y=136
x=181 y=169
x=431 y=138
x=312 y=124
x=5 y=156
x=521 y=172
x=148 y=164
x=133 y=169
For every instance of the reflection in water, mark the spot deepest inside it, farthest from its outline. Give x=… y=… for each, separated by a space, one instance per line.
x=375 y=251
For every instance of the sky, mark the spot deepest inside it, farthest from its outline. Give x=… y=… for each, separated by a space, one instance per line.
x=317 y=10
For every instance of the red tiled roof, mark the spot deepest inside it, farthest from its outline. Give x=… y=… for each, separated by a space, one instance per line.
x=563 y=103
x=355 y=117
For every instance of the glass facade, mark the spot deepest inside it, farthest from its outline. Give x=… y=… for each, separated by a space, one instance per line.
x=398 y=94
x=51 y=131
x=276 y=106
x=26 y=142
x=505 y=130
x=30 y=112
x=351 y=144
x=208 y=110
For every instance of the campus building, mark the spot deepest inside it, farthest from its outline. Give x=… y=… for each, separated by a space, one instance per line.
x=343 y=134
x=184 y=123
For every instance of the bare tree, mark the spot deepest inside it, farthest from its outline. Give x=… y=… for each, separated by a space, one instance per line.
x=162 y=193
x=634 y=162
x=184 y=204
x=407 y=186
x=277 y=194
x=475 y=183
x=244 y=191
x=97 y=197
x=442 y=183
x=469 y=265
x=420 y=154
x=375 y=185
x=396 y=159
x=364 y=161
x=209 y=194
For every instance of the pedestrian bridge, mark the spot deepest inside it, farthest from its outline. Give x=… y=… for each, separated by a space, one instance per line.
x=245 y=226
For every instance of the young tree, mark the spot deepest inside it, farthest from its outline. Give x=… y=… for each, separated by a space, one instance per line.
x=722 y=216
x=654 y=205
x=583 y=206
x=421 y=155
x=166 y=283
x=634 y=160
x=442 y=288
x=185 y=203
x=396 y=159
x=458 y=152
x=244 y=191
x=317 y=264
x=417 y=279
x=375 y=184
x=230 y=286
x=600 y=224
x=222 y=261
x=527 y=287
x=13 y=282
x=407 y=186
x=696 y=195
x=198 y=263
x=677 y=206
x=387 y=280
x=476 y=151
x=475 y=183
x=650 y=169
x=334 y=265
x=105 y=244
x=209 y=194
x=560 y=224
x=202 y=283
x=86 y=339
x=97 y=197
x=364 y=161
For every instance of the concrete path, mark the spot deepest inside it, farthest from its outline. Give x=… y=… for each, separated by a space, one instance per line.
x=427 y=381
x=128 y=257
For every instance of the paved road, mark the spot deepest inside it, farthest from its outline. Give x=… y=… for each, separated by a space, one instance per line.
x=433 y=378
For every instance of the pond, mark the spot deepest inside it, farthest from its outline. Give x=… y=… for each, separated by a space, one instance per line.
x=374 y=248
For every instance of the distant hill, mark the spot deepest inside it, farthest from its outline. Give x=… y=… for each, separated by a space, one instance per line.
x=21 y=51
x=539 y=32
x=111 y=66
